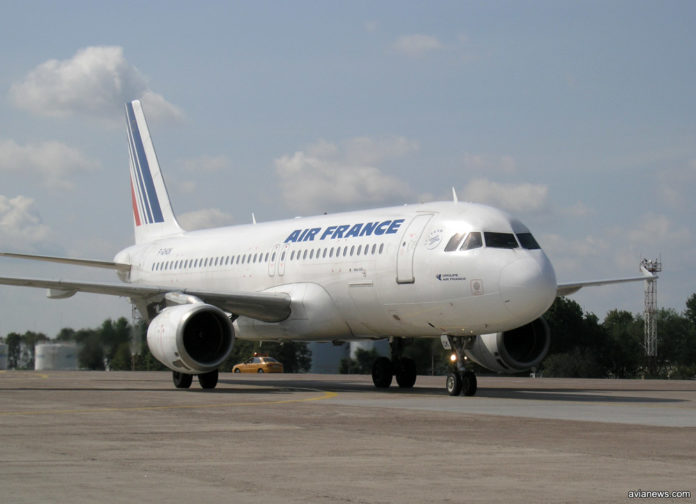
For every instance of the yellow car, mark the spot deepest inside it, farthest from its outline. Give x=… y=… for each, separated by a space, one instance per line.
x=259 y=363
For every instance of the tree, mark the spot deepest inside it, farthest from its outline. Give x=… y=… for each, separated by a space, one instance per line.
x=624 y=354
x=14 y=350
x=690 y=312
x=362 y=364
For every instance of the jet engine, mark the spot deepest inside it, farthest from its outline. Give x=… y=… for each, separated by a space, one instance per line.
x=191 y=338
x=512 y=351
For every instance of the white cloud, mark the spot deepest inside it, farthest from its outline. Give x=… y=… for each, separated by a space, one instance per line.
x=484 y=163
x=416 y=45
x=658 y=231
x=51 y=162
x=332 y=176
x=20 y=224
x=206 y=218
x=96 y=81
x=512 y=197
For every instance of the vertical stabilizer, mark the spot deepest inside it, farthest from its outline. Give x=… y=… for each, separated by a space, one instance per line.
x=153 y=217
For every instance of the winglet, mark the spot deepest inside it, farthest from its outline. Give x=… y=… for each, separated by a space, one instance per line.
x=153 y=217
x=454 y=195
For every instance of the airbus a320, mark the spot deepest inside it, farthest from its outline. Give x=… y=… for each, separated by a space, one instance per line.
x=468 y=274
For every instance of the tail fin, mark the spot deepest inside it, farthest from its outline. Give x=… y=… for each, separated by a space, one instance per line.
x=153 y=217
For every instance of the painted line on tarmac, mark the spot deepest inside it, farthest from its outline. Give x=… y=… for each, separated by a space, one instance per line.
x=324 y=395
x=31 y=375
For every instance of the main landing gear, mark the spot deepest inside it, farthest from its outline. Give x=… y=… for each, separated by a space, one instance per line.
x=460 y=380
x=404 y=368
x=206 y=380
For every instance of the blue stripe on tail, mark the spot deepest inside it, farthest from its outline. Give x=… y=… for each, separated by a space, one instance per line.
x=153 y=212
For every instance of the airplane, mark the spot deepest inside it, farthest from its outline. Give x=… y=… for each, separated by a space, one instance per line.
x=468 y=274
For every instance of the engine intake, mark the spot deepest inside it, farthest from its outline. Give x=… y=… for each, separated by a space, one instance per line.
x=191 y=338
x=512 y=351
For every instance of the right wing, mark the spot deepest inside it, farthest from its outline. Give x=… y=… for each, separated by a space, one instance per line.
x=265 y=306
x=66 y=260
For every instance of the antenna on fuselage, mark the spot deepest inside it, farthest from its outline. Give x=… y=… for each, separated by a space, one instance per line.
x=454 y=195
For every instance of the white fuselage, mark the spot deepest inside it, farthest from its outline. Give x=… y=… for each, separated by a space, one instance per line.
x=367 y=274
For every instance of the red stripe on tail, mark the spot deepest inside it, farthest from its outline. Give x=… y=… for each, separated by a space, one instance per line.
x=135 y=206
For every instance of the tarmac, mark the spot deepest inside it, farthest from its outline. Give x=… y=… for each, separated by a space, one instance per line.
x=85 y=437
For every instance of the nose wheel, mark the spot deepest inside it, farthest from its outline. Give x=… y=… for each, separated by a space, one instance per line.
x=460 y=380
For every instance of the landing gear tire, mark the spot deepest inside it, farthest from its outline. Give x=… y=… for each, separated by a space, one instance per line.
x=208 y=380
x=406 y=373
x=454 y=384
x=237 y=370
x=182 y=380
x=382 y=372
x=469 y=384
x=260 y=371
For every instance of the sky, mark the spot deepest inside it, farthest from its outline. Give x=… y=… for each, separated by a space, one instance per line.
x=579 y=118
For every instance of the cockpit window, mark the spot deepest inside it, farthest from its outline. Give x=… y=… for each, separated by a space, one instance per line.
x=472 y=241
x=500 y=240
x=454 y=242
x=527 y=241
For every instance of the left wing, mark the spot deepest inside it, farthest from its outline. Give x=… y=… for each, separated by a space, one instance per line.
x=265 y=306
x=566 y=289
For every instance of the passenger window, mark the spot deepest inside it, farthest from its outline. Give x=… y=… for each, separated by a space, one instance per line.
x=527 y=241
x=292 y=255
x=454 y=242
x=381 y=247
x=473 y=241
x=500 y=240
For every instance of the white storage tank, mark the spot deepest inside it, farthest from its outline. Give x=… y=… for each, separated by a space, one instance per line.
x=3 y=356
x=52 y=356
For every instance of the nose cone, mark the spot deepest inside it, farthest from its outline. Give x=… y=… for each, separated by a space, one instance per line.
x=528 y=286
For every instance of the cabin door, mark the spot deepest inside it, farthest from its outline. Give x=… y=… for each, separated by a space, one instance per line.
x=407 y=248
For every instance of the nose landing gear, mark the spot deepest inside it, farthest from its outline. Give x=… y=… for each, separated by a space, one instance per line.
x=460 y=380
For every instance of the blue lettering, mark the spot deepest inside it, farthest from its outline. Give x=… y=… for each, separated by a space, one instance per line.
x=328 y=231
x=311 y=234
x=368 y=228
x=354 y=231
x=293 y=236
x=382 y=228
x=395 y=226
x=339 y=232
x=302 y=235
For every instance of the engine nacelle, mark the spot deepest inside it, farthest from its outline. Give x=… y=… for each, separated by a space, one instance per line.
x=191 y=338
x=512 y=351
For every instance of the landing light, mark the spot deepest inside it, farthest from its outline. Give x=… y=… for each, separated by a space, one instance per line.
x=453 y=357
